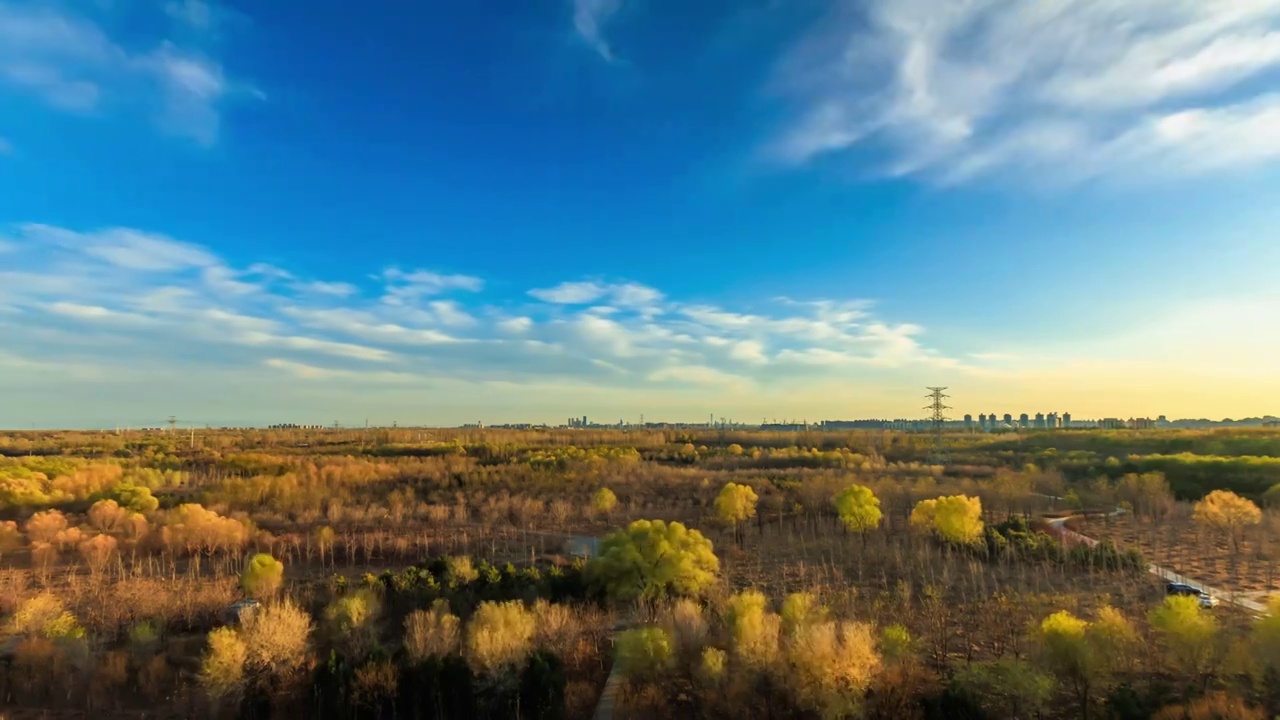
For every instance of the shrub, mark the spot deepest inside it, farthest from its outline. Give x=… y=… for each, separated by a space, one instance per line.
x=644 y=653
x=262 y=577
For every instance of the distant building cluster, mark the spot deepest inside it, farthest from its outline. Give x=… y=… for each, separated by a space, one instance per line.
x=294 y=426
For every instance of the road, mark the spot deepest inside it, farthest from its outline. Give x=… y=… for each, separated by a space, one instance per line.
x=1227 y=596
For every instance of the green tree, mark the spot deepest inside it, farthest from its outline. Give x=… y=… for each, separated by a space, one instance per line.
x=1006 y=688
x=735 y=505
x=859 y=509
x=1189 y=635
x=262 y=577
x=644 y=653
x=651 y=560
x=1066 y=651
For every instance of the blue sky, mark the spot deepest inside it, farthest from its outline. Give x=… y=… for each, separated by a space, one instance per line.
x=446 y=212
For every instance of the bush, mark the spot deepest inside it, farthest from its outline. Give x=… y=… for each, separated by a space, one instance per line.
x=644 y=653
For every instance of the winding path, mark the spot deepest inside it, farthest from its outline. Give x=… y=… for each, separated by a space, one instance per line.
x=1232 y=597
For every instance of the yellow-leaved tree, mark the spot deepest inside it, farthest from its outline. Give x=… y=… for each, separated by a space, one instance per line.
x=954 y=518
x=735 y=505
x=263 y=576
x=1228 y=514
x=604 y=501
x=651 y=560
x=859 y=509
x=1085 y=655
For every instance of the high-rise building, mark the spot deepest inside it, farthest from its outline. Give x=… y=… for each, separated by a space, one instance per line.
x=1051 y=421
x=1008 y=419
x=1024 y=420
x=968 y=422
x=982 y=420
x=1040 y=421
x=1066 y=420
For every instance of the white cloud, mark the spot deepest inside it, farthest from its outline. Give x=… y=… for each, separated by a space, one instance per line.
x=451 y=314
x=337 y=349
x=750 y=351
x=958 y=90
x=589 y=19
x=125 y=248
x=157 y=306
x=698 y=375
x=584 y=292
x=407 y=287
x=69 y=62
x=94 y=313
x=516 y=325
x=319 y=287
x=571 y=293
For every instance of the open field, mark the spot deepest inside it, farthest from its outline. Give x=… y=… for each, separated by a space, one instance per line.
x=120 y=554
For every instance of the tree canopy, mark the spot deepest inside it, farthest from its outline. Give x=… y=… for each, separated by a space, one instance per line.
x=263 y=576
x=736 y=503
x=652 y=559
x=954 y=518
x=1227 y=513
x=858 y=508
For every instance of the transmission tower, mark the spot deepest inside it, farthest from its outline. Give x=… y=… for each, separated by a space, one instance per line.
x=937 y=407
x=173 y=421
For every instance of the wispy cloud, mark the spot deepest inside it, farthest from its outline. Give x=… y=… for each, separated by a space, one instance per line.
x=587 y=292
x=122 y=297
x=589 y=19
x=72 y=64
x=1068 y=90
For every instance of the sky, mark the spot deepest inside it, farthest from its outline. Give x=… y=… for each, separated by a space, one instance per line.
x=247 y=213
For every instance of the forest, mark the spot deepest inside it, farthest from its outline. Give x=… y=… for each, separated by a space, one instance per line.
x=577 y=573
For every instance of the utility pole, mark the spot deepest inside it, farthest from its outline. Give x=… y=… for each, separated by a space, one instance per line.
x=937 y=417
x=193 y=438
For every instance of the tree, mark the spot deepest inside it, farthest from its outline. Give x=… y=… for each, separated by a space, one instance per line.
x=263 y=575
x=651 y=560
x=1007 y=688
x=1266 y=635
x=753 y=630
x=858 y=508
x=499 y=636
x=1189 y=635
x=431 y=633
x=735 y=505
x=955 y=518
x=1214 y=706
x=277 y=637
x=604 y=501
x=830 y=665
x=1065 y=649
x=351 y=620
x=644 y=653
x=107 y=516
x=1228 y=514
x=45 y=526
x=222 y=669
x=800 y=610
